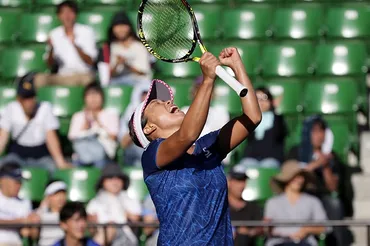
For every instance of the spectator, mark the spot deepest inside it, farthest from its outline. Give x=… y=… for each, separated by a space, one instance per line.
x=72 y=50
x=293 y=203
x=132 y=153
x=266 y=144
x=150 y=216
x=32 y=127
x=128 y=58
x=73 y=221
x=113 y=205
x=49 y=211
x=316 y=156
x=242 y=210
x=94 y=130
x=14 y=210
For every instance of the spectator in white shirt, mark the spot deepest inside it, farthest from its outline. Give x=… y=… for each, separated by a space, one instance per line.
x=32 y=127
x=49 y=210
x=112 y=204
x=93 y=131
x=14 y=210
x=72 y=50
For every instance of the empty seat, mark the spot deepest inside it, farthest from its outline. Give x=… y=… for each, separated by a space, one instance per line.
x=287 y=59
x=34 y=184
x=258 y=185
x=15 y=3
x=208 y=20
x=188 y=69
x=17 y=61
x=7 y=94
x=341 y=132
x=98 y=20
x=330 y=96
x=132 y=15
x=35 y=27
x=117 y=98
x=249 y=52
x=341 y=58
x=181 y=89
x=137 y=188
x=226 y=97
x=348 y=22
x=9 y=24
x=81 y=182
x=106 y=2
x=247 y=22
x=48 y=2
x=298 y=22
x=65 y=100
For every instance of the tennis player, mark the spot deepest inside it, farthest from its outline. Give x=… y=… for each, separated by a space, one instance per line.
x=184 y=174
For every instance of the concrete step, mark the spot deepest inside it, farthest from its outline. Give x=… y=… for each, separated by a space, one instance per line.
x=365 y=152
x=361 y=186
x=361 y=209
x=360 y=236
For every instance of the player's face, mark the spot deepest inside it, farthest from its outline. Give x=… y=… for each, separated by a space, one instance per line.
x=121 y=31
x=67 y=16
x=296 y=183
x=317 y=136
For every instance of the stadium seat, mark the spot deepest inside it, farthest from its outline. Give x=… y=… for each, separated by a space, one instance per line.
x=65 y=100
x=341 y=131
x=330 y=96
x=208 y=20
x=81 y=182
x=258 y=185
x=35 y=27
x=298 y=22
x=106 y=2
x=7 y=94
x=181 y=89
x=248 y=22
x=287 y=59
x=249 y=52
x=224 y=96
x=99 y=21
x=48 y=2
x=117 y=98
x=9 y=24
x=132 y=15
x=15 y=3
x=341 y=58
x=348 y=22
x=17 y=61
x=137 y=188
x=188 y=69
x=34 y=183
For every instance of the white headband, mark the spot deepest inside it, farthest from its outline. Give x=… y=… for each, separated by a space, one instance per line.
x=55 y=187
x=138 y=127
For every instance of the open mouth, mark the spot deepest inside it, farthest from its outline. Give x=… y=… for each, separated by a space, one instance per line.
x=174 y=109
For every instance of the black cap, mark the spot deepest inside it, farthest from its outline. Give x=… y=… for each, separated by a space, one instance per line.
x=25 y=86
x=238 y=172
x=113 y=170
x=12 y=170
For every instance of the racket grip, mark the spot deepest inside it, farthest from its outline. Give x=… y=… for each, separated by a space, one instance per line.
x=231 y=81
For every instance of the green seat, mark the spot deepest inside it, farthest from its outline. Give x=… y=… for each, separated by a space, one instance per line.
x=35 y=27
x=287 y=59
x=65 y=100
x=210 y=2
x=207 y=17
x=348 y=22
x=341 y=132
x=17 y=61
x=249 y=52
x=34 y=185
x=341 y=58
x=185 y=69
x=99 y=21
x=117 y=98
x=81 y=182
x=297 y=22
x=331 y=96
x=182 y=90
x=258 y=185
x=48 y=2
x=7 y=94
x=248 y=22
x=9 y=24
x=132 y=15
x=288 y=92
x=15 y=3
x=226 y=97
x=137 y=188
x=107 y=2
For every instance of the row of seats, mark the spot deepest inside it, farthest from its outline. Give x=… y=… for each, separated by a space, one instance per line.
x=248 y=22
x=298 y=58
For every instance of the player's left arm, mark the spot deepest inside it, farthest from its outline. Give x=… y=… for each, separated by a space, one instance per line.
x=238 y=129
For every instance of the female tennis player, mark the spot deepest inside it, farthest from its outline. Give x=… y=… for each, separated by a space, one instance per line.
x=184 y=174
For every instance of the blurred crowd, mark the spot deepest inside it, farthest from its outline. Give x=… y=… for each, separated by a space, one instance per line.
x=307 y=186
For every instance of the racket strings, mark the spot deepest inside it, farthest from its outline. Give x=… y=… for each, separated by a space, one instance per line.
x=167 y=27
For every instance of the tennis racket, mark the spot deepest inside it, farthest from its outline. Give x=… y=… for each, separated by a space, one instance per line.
x=169 y=30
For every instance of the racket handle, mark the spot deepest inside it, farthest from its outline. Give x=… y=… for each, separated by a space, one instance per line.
x=231 y=81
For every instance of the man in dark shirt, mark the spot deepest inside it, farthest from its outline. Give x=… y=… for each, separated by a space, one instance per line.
x=241 y=210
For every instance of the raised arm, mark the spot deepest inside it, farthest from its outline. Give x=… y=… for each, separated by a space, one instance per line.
x=237 y=130
x=179 y=142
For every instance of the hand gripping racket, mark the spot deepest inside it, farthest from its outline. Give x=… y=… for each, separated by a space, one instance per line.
x=169 y=30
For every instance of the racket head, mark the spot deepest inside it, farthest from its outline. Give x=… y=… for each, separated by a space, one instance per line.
x=161 y=30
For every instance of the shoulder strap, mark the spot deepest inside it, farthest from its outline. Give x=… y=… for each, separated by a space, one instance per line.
x=27 y=124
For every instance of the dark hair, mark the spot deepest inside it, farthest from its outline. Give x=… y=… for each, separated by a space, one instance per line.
x=94 y=87
x=68 y=3
x=120 y=18
x=268 y=94
x=320 y=123
x=132 y=130
x=9 y=167
x=70 y=209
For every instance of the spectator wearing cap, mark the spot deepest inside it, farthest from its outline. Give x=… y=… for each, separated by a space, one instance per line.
x=54 y=199
x=73 y=221
x=241 y=210
x=113 y=205
x=292 y=203
x=72 y=50
x=14 y=210
x=31 y=128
